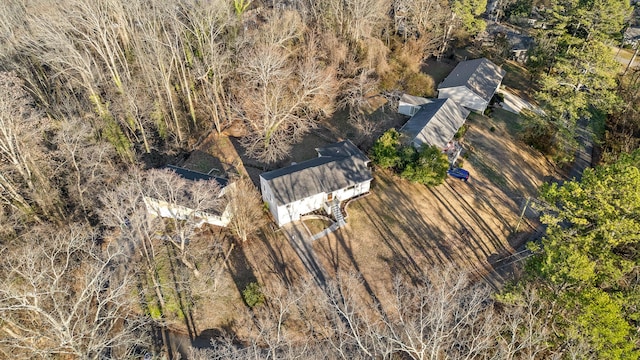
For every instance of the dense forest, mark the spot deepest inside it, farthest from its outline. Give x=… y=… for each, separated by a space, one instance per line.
x=92 y=91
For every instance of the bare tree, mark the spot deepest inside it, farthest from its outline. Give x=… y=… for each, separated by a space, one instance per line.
x=24 y=168
x=354 y=322
x=186 y=200
x=245 y=205
x=61 y=295
x=156 y=59
x=428 y=23
x=282 y=96
x=354 y=20
x=88 y=165
x=524 y=332
x=207 y=26
x=444 y=316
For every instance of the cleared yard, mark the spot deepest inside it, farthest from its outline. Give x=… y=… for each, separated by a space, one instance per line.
x=405 y=229
x=400 y=228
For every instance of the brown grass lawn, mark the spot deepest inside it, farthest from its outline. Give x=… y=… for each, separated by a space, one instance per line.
x=403 y=229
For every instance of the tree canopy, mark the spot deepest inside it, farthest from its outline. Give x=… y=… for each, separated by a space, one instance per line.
x=425 y=165
x=576 y=70
x=586 y=266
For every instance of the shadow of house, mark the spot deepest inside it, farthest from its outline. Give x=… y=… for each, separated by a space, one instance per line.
x=219 y=217
x=340 y=172
x=472 y=83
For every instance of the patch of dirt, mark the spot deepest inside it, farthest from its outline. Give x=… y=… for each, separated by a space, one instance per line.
x=516 y=168
x=218 y=155
x=267 y=259
x=438 y=70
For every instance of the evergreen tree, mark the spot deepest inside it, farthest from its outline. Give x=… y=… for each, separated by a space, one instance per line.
x=586 y=267
x=577 y=71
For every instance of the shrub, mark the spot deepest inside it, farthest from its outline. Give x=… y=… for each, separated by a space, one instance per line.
x=408 y=155
x=419 y=84
x=428 y=168
x=252 y=295
x=404 y=74
x=461 y=132
x=384 y=152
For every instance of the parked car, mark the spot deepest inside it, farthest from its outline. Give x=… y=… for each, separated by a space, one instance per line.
x=459 y=173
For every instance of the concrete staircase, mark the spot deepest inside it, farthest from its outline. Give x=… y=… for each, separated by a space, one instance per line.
x=337 y=214
x=340 y=222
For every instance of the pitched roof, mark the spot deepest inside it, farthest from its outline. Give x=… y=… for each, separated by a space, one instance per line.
x=479 y=75
x=196 y=176
x=338 y=166
x=632 y=34
x=414 y=100
x=435 y=123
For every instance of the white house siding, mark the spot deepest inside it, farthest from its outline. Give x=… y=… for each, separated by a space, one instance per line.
x=409 y=104
x=464 y=97
x=267 y=196
x=164 y=209
x=284 y=214
x=407 y=109
x=293 y=211
x=348 y=193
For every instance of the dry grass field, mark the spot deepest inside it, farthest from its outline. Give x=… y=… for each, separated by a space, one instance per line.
x=405 y=229
x=400 y=228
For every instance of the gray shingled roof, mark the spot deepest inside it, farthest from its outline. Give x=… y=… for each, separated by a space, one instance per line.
x=414 y=100
x=435 y=123
x=479 y=75
x=632 y=34
x=195 y=176
x=338 y=166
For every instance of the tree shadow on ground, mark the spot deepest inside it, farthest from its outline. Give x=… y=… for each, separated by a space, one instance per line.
x=240 y=269
x=278 y=263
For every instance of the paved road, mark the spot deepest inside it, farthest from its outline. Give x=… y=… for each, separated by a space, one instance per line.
x=625 y=61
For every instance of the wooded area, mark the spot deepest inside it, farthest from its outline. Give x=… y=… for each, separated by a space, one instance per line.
x=92 y=91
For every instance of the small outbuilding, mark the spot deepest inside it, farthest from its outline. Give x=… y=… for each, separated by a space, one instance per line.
x=472 y=83
x=435 y=123
x=410 y=104
x=340 y=172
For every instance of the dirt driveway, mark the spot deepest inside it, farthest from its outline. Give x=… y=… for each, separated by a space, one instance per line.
x=515 y=103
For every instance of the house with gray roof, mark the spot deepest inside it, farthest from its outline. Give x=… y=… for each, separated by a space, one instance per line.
x=167 y=208
x=435 y=123
x=340 y=172
x=472 y=83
